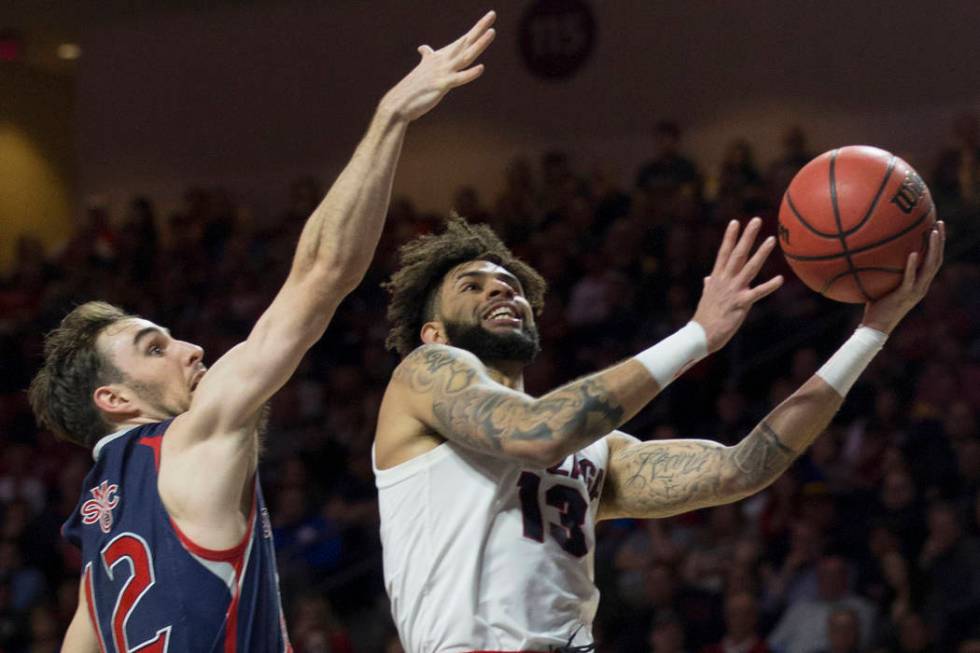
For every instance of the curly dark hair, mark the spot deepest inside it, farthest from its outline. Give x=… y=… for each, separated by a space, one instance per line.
x=426 y=260
x=61 y=392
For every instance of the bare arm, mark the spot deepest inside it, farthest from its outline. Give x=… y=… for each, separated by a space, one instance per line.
x=80 y=637
x=663 y=478
x=667 y=477
x=335 y=248
x=450 y=392
x=211 y=451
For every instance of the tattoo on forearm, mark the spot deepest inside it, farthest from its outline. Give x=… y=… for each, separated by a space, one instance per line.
x=577 y=413
x=762 y=455
x=664 y=478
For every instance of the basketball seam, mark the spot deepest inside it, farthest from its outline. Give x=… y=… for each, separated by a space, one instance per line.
x=874 y=202
x=867 y=215
x=864 y=248
x=841 y=275
x=802 y=220
x=840 y=227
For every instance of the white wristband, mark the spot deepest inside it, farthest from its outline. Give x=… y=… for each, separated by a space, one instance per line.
x=668 y=358
x=847 y=363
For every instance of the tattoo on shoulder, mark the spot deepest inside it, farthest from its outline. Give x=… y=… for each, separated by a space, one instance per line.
x=427 y=366
x=487 y=417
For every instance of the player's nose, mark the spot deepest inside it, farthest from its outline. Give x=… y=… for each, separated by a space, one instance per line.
x=194 y=354
x=498 y=288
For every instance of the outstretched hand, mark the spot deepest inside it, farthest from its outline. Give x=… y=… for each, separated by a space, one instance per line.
x=884 y=314
x=440 y=71
x=728 y=295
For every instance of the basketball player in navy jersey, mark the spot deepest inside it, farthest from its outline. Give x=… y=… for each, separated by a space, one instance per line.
x=175 y=540
x=489 y=497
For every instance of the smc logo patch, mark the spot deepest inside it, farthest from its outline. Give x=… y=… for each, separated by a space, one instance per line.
x=99 y=507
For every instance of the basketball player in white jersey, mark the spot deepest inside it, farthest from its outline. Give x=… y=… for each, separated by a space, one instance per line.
x=489 y=497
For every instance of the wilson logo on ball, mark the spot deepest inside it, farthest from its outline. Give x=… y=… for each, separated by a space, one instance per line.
x=909 y=193
x=855 y=213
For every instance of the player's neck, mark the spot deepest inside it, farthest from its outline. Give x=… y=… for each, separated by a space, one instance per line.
x=139 y=420
x=508 y=373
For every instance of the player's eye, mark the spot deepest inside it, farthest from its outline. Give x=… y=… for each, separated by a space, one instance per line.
x=470 y=286
x=155 y=350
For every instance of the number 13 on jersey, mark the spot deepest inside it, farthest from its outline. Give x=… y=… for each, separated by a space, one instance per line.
x=572 y=509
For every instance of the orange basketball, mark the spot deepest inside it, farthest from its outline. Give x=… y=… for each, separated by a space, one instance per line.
x=849 y=220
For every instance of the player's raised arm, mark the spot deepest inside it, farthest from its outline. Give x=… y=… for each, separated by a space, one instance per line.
x=450 y=391
x=662 y=478
x=335 y=248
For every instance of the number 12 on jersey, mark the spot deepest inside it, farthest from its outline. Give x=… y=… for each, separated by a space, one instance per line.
x=126 y=549
x=572 y=508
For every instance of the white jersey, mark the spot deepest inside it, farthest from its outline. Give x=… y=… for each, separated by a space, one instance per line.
x=483 y=554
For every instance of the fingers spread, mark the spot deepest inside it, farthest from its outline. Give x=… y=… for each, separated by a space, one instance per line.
x=473 y=34
x=744 y=245
x=727 y=244
x=765 y=289
x=755 y=263
x=476 y=49
x=481 y=26
x=465 y=76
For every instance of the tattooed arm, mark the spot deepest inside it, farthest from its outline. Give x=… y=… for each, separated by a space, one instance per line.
x=668 y=477
x=451 y=393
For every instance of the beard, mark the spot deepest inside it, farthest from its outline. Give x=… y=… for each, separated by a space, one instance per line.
x=522 y=346
x=153 y=394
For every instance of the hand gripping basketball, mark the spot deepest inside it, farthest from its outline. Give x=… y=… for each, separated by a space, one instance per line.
x=884 y=314
x=728 y=295
x=850 y=218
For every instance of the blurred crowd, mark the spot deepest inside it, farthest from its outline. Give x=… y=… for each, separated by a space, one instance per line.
x=870 y=543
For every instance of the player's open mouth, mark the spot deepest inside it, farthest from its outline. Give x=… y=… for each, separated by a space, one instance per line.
x=503 y=315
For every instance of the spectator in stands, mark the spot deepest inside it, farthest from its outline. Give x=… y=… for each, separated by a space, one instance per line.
x=914 y=636
x=843 y=632
x=956 y=177
x=950 y=562
x=794 y=156
x=45 y=634
x=26 y=584
x=13 y=632
x=314 y=627
x=909 y=437
x=741 y=623
x=899 y=511
x=740 y=185
x=803 y=628
x=667 y=634
x=668 y=171
x=795 y=579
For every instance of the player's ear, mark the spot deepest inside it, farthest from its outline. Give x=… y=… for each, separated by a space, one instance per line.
x=434 y=333
x=114 y=401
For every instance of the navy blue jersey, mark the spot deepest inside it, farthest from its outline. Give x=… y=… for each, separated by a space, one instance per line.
x=149 y=587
